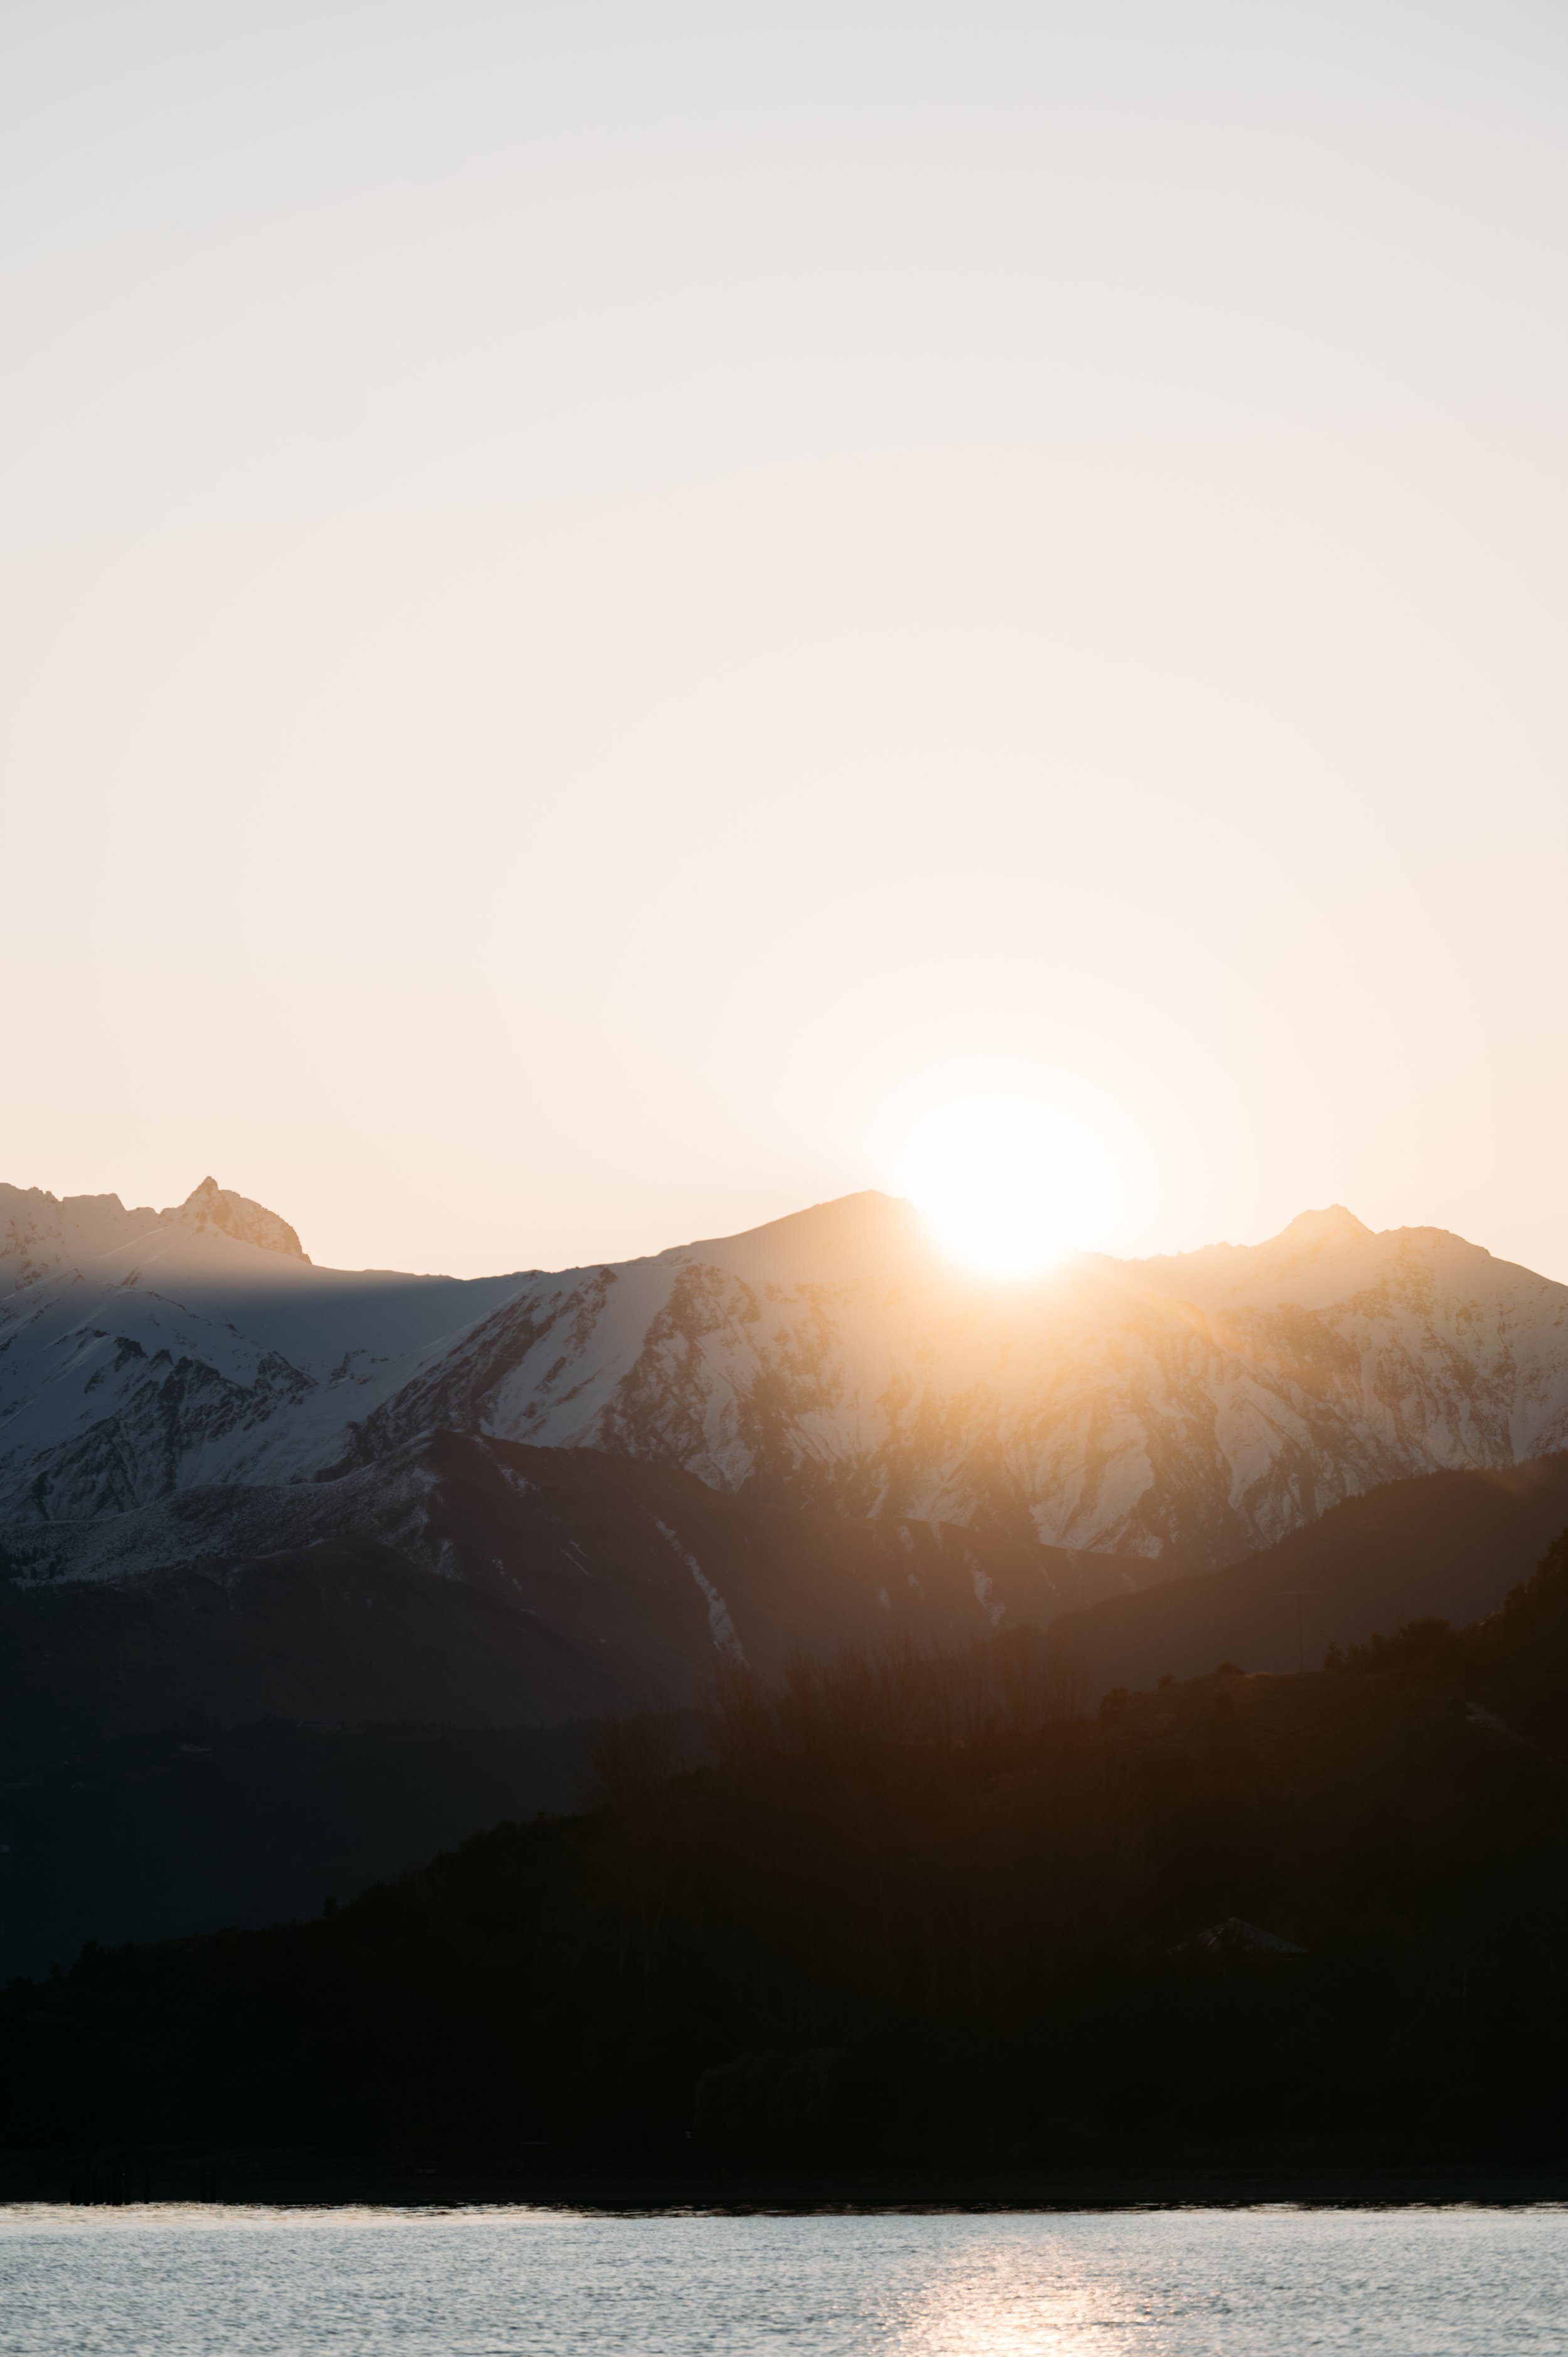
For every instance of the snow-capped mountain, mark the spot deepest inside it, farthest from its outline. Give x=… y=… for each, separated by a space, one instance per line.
x=144 y=1351
x=1195 y=1407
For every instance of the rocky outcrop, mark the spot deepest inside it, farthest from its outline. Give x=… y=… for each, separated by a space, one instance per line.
x=211 y=1206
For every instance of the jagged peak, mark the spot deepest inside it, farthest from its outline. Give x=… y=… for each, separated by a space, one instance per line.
x=211 y=1206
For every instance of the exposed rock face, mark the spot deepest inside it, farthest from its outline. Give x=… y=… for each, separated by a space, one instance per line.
x=1192 y=1407
x=144 y=1351
x=211 y=1206
x=39 y=1230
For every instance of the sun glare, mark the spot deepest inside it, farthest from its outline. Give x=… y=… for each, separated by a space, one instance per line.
x=1002 y=1189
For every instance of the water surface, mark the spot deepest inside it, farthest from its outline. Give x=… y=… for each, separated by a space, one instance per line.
x=216 y=2282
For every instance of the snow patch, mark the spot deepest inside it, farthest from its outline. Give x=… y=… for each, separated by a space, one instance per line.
x=984 y=1593
x=719 y=1621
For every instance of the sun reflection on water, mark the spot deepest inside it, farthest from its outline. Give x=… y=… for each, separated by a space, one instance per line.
x=1033 y=2305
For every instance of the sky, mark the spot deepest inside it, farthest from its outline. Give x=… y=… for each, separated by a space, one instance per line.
x=622 y=617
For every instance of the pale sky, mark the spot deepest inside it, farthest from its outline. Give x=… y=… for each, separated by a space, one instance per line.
x=613 y=611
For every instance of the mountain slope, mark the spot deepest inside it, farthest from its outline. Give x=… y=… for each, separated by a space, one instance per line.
x=1189 y=1408
x=144 y=1351
x=1449 y=1546
x=1193 y=1408
x=474 y=1583
x=198 y=1826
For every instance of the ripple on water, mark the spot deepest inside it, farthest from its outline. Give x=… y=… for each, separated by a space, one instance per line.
x=213 y=2282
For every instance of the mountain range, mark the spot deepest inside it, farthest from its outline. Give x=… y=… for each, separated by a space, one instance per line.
x=305 y=1571
x=1185 y=1409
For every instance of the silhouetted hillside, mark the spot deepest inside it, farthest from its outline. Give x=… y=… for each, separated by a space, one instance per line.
x=475 y=1583
x=916 y=1907
x=363 y=1702
x=1450 y=1545
x=365 y=1687
x=201 y=1825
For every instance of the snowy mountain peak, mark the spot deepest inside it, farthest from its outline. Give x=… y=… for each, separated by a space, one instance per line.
x=211 y=1206
x=1313 y=1227
x=866 y=1236
x=1194 y=1406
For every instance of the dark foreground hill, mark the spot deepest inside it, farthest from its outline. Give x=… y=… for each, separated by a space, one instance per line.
x=475 y=1583
x=258 y=1696
x=220 y=1709
x=916 y=1911
x=1449 y=1544
x=199 y=1825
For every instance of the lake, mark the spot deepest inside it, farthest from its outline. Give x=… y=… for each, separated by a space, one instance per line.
x=232 y=2282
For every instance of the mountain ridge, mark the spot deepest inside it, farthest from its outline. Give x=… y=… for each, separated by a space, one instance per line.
x=1189 y=1406
x=1448 y=1545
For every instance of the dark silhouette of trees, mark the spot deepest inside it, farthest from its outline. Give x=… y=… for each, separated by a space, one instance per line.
x=916 y=1905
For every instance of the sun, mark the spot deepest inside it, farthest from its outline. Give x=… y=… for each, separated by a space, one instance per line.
x=1001 y=1187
